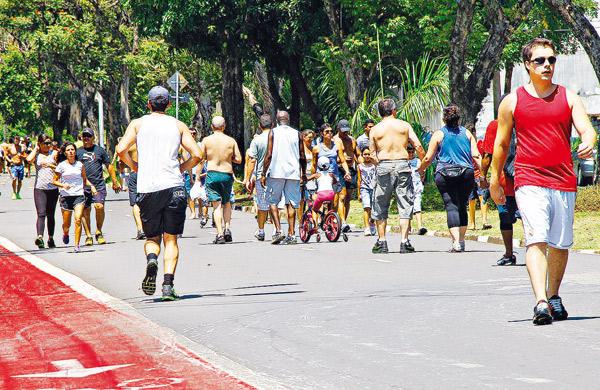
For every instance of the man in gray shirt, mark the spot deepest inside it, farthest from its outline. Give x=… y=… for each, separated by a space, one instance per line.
x=256 y=154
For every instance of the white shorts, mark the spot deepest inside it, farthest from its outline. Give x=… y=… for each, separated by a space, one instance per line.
x=262 y=199
x=288 y=188
x=417 y=202
x=547 y=215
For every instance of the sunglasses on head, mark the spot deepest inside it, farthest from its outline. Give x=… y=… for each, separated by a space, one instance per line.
x=542 y=60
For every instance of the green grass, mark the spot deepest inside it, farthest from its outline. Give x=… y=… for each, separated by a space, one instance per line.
x=586 y=228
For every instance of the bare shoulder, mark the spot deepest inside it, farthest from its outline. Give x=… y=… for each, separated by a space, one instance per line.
x=136 y=123
x=572 y=97
x=508 y=104
x=181 y=126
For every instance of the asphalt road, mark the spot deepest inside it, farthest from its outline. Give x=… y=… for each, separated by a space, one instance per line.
x=335 y=316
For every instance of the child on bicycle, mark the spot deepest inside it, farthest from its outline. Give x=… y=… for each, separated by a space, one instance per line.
x=366 y=185
x=325 y=181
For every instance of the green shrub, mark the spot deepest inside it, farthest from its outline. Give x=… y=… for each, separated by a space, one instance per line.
x=588 y=198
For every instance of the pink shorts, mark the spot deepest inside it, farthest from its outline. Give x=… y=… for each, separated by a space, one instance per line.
x=323 y=196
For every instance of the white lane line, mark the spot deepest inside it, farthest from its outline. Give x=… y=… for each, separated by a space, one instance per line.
x=534 y=380
x=381 y=260
x=467 y=365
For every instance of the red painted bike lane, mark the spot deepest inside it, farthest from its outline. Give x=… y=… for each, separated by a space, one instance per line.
x=52 y=337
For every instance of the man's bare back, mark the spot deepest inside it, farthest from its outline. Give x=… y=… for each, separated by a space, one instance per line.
x=16 y=154
x=389 y=139
x=221 y=152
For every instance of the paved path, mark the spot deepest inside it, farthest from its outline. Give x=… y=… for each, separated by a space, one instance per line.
x=335 y=316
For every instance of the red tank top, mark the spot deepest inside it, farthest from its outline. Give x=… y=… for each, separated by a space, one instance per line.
x=543 y=128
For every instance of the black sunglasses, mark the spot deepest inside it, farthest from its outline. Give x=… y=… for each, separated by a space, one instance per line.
x=48 y=143
x=542 y=60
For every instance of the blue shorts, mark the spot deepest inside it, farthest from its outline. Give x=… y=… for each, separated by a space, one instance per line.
x=18 y=171
x=288 y=188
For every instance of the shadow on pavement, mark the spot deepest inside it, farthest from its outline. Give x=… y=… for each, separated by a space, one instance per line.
x=195 y=296
x=265 y=285
x=580 y=318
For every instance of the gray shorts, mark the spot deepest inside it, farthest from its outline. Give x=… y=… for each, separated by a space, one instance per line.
x=288 y=188
x=394 y=177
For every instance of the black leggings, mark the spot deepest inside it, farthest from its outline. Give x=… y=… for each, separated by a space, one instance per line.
x=45 y=204
x=455 y=193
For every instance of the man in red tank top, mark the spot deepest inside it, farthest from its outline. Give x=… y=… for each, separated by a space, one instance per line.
x=543 y=114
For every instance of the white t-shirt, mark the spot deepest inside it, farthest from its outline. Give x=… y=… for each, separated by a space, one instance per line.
x=71 y=174
x=324 y=182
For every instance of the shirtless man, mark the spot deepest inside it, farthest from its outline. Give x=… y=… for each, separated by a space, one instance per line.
x=389 y=140
x=349 y=147
x=221 y=152
x=15 y=156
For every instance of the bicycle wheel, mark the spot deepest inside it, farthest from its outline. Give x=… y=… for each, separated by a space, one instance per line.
x=332 y=226
x=306 y=227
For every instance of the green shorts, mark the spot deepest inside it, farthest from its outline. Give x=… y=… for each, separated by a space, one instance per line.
x=218 y=186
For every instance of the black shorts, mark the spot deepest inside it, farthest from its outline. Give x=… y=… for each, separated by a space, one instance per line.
x=69 y=202
x=352 y=184
x=163 y=211
x=132 y=188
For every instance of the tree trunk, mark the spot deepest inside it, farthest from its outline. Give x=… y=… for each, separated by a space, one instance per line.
x=233 y=98
x=497 y=92
x=124 y=116
x=274 y=89
x=469 y=93
x=508 y=78
x=299 y=81
x=75 y=115
x=262 y=77
x=294 y=110
x=203 y=115
x=582 y=29
x=354 y=74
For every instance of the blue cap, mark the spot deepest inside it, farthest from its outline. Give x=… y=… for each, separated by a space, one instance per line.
x=158 y=94
x=343 y=125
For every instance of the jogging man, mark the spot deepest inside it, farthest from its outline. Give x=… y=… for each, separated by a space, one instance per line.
x=509 y=211
x=256 y=154
x=363 y=140
x=283 y=168
x=221 y=152
x=352 y=155
x=543 y=114
x=15 y=156
x=94 y=159
x=161 y=196
x=389 y=140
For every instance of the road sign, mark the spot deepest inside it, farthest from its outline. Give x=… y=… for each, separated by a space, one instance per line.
x=172 y=81
x=183 y=98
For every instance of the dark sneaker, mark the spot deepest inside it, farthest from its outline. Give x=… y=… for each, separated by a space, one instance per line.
x=100 y=238
x=277 y=238
x=422 y=231
x=140 y=235
x=345 y=228
x=89 y=241
x=542 y=314
x=289 y=240
x=168 y=293
x=219 y=240
x=39 y=242
x=380 y=247
x=507 y=260
x=149 y=282
x=486 y=226
x=65 y=239
x=51 y=243
x=559 y=312
x=260 y=236
x=227 y=235
x=406 y=247
x=203 y=222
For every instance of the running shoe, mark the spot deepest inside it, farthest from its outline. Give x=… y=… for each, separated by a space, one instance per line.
x=76 y=249
x=462 y=246
x=89 y=241
x=289 y=240
x=14 y=196
x=149 y=282
x=542 y=314
x=65 y=239
x=219 y=240
x=367 y=232
x=51 y=243
x=345 y=228
x=380 y=247
x=140 y=235
x=507 y=260
x=456 y=247
x=203 y=222
x=19 y=196
x=373 y=228
x=227 y=235
x=168 y=293
x=277 y=238
x=260 y=236
x=406 y=247
x=559 y=312
x=100 y=238
x=422 y=231
x=39 y=241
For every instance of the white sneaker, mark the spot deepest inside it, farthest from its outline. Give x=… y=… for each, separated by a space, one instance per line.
x=373 y=229
x=368 y=232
